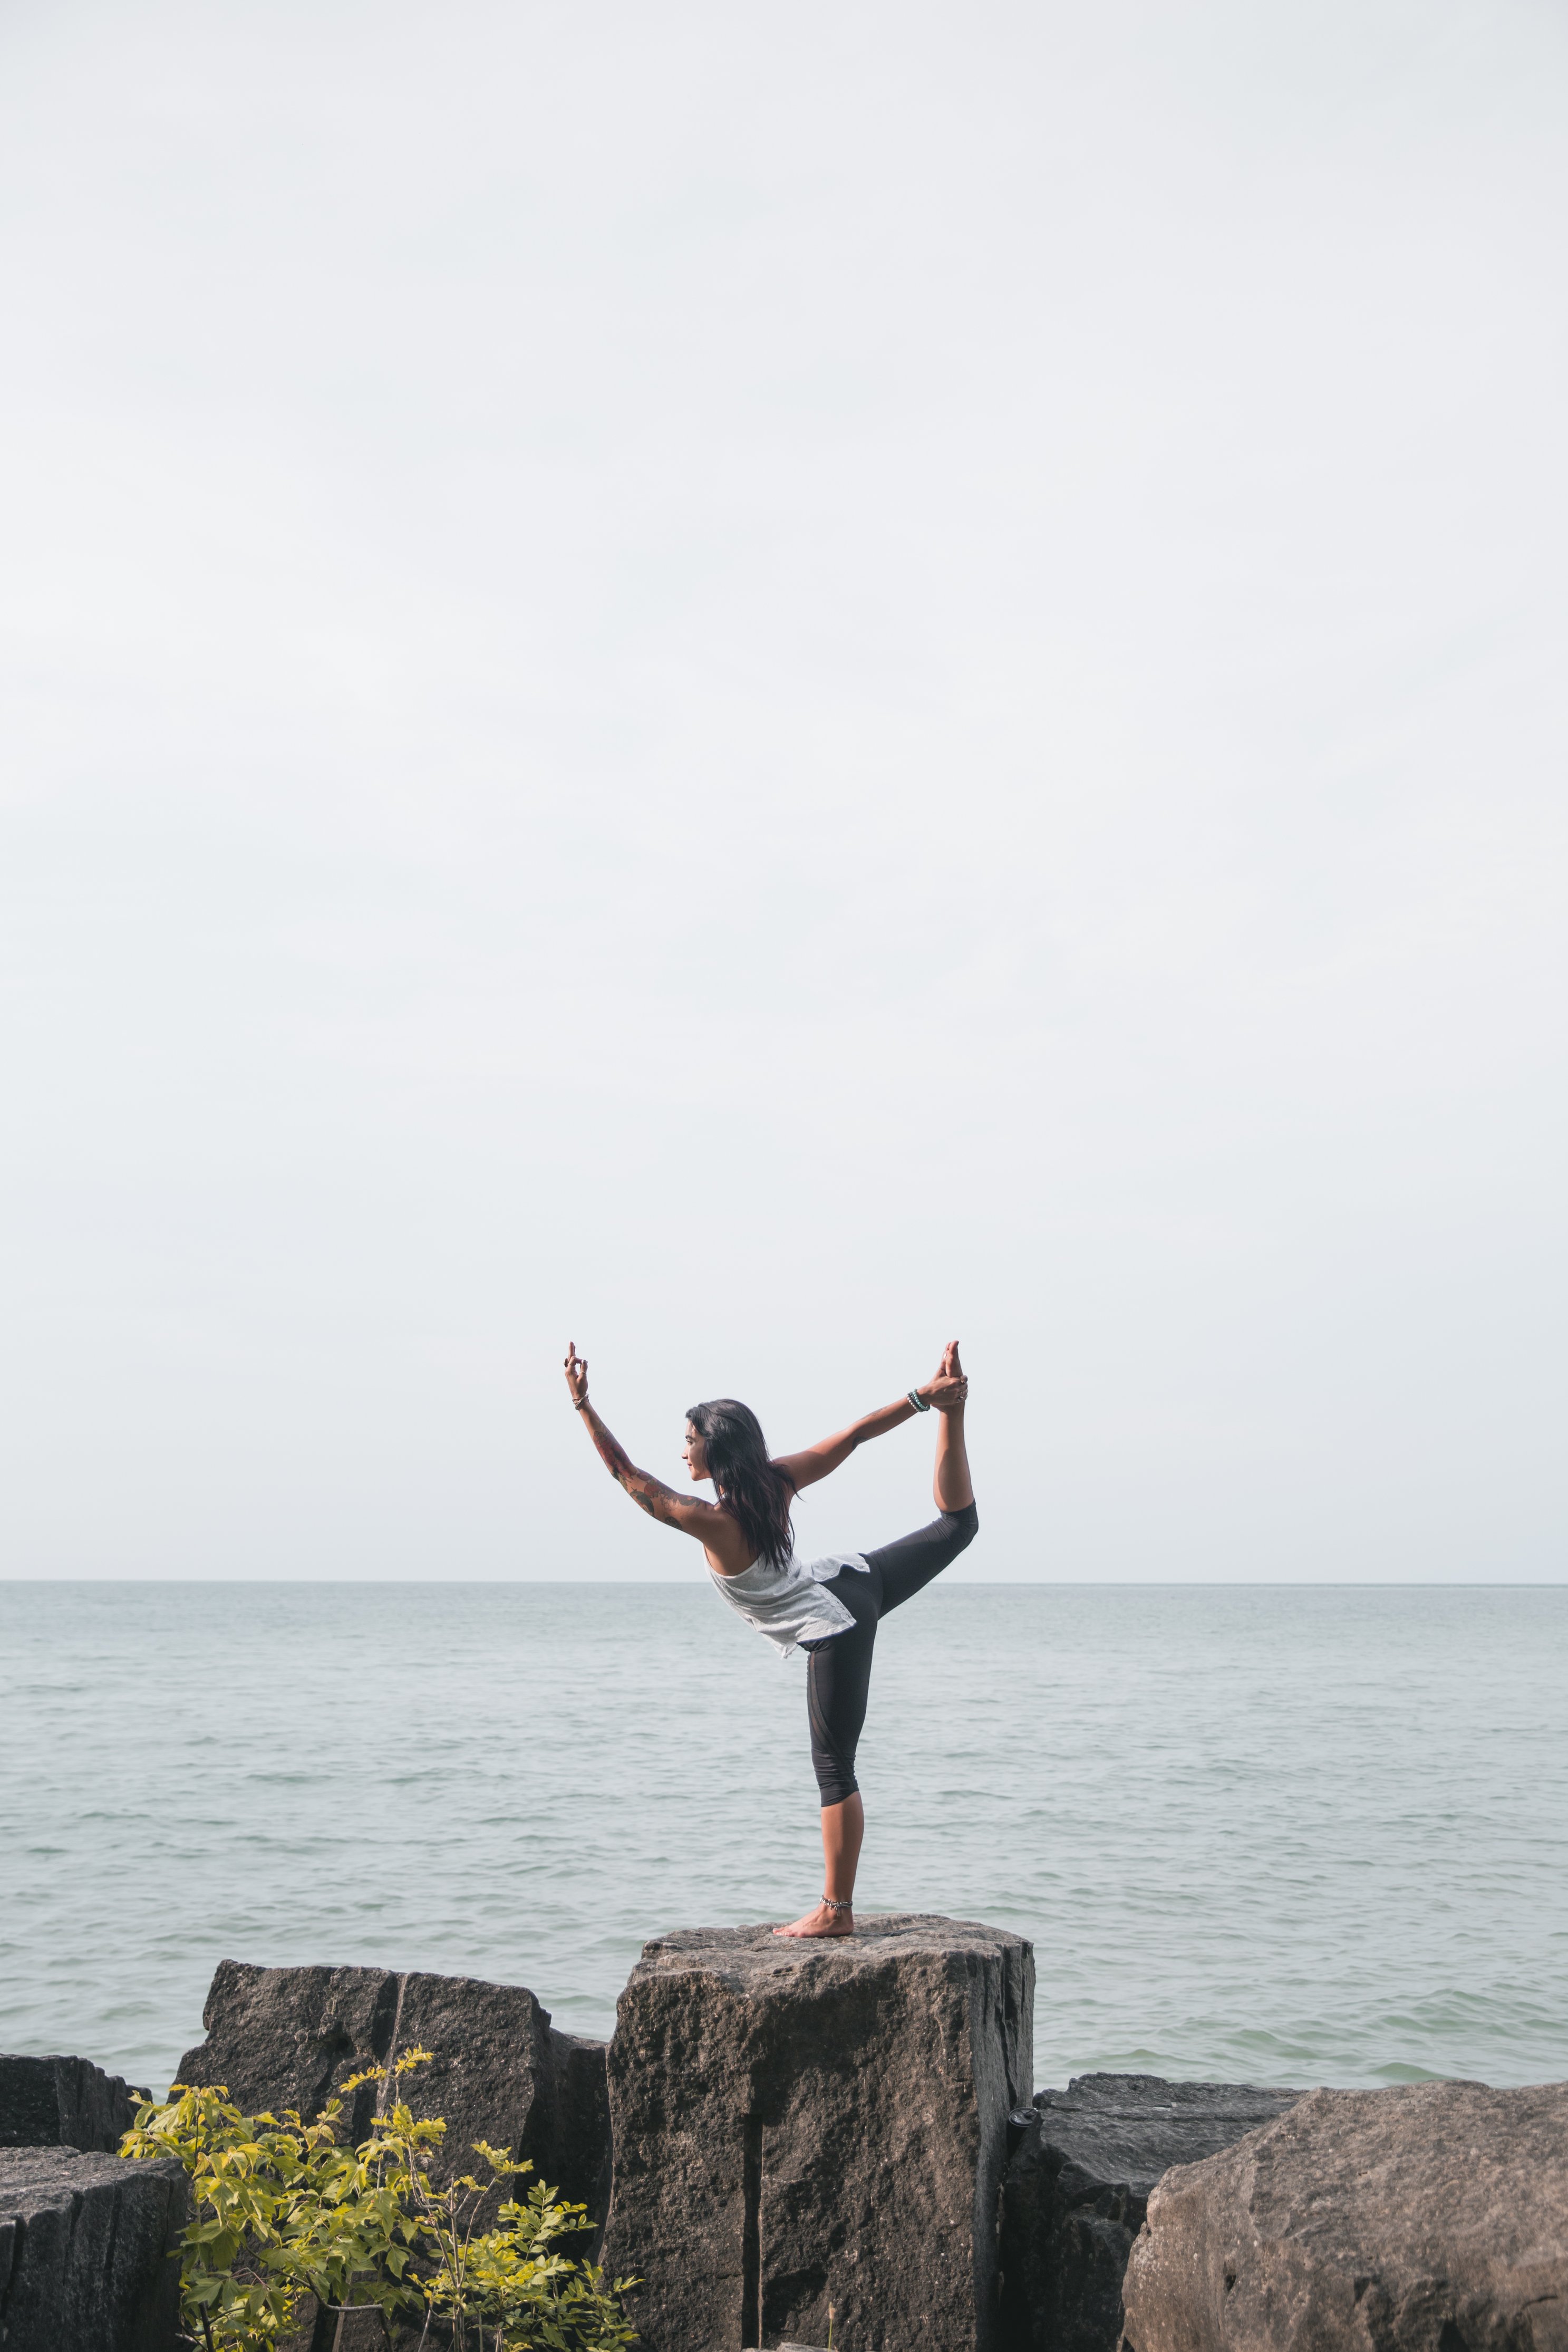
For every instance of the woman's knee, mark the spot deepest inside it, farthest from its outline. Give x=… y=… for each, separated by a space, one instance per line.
x=835 y=1782
x=962 y=1526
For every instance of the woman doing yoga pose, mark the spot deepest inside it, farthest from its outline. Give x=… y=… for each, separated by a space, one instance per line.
x=830 y=1607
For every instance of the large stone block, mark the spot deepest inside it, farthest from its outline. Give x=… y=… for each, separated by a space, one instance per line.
x=502 y=2073
x=283 y=2037
x=1430 y=2218
x=580 y=2163
x=1077 y=2188
x=800 y=2124
x=85 y=2241
x=64 y=2102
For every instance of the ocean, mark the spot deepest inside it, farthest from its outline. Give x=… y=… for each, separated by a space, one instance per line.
x=1282 y=1834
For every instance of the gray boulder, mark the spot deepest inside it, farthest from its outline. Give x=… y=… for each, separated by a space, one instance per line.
x=502 y=2073
x=64 y=2102
x=85 y=2241
x=1431 y=2217
x=580 y=2160
x=800 y=2124
x=1077 y=2188
x=283 y=2038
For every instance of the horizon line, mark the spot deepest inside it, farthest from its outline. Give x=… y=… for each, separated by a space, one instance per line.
x=965 y=1584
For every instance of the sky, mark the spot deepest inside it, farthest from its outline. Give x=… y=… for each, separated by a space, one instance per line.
x=758 y=687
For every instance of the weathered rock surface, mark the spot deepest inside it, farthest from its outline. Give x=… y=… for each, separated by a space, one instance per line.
x=580 y=2161
x=1430 y=2218
x=283 y=2037
x=800 y=2123
x=64 y=2102
x=1077 y=2188
x=84 y=2246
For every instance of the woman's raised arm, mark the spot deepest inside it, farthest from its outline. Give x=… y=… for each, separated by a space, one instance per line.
x=816 y=1461
x=687 y=1512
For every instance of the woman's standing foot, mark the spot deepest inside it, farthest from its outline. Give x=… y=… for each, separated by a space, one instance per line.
x=821 y=1921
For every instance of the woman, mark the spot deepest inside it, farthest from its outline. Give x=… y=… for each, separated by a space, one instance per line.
x=830 y=1607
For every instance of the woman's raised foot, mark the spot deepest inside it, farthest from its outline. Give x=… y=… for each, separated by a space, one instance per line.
x=822 y=1920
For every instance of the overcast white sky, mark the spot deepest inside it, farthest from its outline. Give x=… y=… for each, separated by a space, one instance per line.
x=758 y=685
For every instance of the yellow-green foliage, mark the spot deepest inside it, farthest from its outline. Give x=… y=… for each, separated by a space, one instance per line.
x=282 y=2212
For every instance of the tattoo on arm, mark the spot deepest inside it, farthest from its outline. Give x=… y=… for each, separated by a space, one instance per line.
x=612 y=1453
x=651 y=1495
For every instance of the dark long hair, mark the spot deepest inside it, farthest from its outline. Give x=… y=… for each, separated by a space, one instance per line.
x=755 y=1492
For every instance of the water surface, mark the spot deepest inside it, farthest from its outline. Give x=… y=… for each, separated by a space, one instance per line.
x=1290 y=1834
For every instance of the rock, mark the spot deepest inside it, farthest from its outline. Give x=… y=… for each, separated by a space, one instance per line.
x=85 y=2242
x=800 y=2123
x=580 y=2161
x=502 y=2073
x=64 y=2102
x=1431 y=2217
x=282 y=2037
x=1077 y=2188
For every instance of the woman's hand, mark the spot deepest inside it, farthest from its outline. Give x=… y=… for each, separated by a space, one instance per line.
x=719 y=1534
x=950 y=1389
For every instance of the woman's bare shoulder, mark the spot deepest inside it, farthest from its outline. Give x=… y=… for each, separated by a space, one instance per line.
x=724 y=1544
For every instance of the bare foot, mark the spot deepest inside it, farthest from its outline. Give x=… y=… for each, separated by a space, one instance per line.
x=820 y=1921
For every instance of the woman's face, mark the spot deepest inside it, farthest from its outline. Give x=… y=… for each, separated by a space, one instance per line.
x=696 y=1453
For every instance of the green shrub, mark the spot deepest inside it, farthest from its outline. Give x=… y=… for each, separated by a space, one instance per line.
x=283 y=2212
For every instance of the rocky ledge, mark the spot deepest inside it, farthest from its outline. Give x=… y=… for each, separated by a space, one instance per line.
x=1429 y=2218
x=800 y=2123
x=84 y=2247
x=284 y=2038
x=1077 y=2189
x=64 y=2102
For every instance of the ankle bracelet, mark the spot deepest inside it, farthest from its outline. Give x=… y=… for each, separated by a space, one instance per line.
x=828 y=1903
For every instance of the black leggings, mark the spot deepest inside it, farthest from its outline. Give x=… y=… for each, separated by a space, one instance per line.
x=838 y=1675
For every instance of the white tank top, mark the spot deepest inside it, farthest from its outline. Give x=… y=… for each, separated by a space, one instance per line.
x=789 y=1604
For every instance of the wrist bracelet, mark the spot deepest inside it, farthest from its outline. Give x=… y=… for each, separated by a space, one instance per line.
x=578 y=1404
x=918 y=1400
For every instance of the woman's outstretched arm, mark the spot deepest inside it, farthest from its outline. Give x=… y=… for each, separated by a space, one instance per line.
x=693 y=1517
x=944 y=1392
